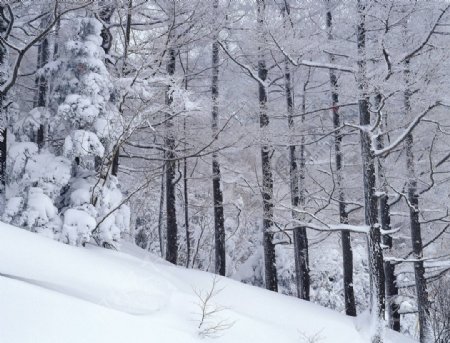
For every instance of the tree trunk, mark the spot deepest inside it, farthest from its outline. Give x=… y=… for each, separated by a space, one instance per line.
x=369 y=181
x=41 y=82
x=161 y=213
x=385 y=218
x=270 y=268
x=105 y=13
x=416 y=236
x=219 y=225
x=347 y=252
x=389 y=268
x=171 y=213
x=186 y=208
x=127 y=36
x=3 y=115
x=300 y=238
x=3 y=138
x=185 y=177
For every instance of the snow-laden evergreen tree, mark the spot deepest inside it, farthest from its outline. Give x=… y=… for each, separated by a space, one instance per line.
x=35 y=176
x=83 y=101
x=66 y=190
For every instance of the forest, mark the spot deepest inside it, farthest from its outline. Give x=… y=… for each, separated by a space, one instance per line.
x=297 y=146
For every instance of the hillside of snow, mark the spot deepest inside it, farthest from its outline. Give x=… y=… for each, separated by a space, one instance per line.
x=51 y=292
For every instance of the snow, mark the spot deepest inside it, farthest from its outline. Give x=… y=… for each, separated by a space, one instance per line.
x=51 y=292
x=18 y=154
x=40 y=208
x=78 y=225
x=83 y=143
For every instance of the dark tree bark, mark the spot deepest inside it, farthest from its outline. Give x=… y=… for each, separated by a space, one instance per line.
x=385 y=220
x=300 y=234
x=219 y=226
x=416 y=235
x=3 y=137
x=3 y=114
x=347 y=252
x=185 y=177
x=105 y=13
x=127 y=35
x=270 y=267
x=369 y=181
x=171 y=213
x=186 y=207
x=300 y=237
x=161 y=213
x=41 y=82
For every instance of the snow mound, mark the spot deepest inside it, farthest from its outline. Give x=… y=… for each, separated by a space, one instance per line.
x=81 y=273
x=56 y=293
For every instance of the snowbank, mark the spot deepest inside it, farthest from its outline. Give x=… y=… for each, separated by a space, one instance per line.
x=51 y=292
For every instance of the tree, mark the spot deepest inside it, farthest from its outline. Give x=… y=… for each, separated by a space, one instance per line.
x=41 y=81
x=266 y=152
x=170 y=164
x=219 y=225
x=87 y=115
x=416 y=235
x=8 y=79
x=347 y=253
x=385 y=221
x=296 y=171
x=369 y=180
x=5 y=27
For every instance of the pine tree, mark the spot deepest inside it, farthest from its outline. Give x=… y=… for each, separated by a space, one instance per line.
x=86 y=113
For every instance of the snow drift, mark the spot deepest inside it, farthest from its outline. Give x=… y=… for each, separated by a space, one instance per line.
x=51 y=292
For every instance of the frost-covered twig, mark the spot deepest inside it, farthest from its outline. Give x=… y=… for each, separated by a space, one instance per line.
x=209 y=324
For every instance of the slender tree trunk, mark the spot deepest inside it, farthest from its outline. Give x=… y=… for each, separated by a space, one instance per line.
x=3 y=115
x=185 y=177
x=41 y=82
x=385 y=218
x=347 y=252
x=106 y=45
x=171 y=213
x=161 y=213
x=300 y=238
x=105 y=13
x=369 y=180
x=3 y=138
x=127 y=35
x=271 y=279
x=416 y=235
x=186 y=207
x=219 y=226
x=300 y=234
x=55 y=53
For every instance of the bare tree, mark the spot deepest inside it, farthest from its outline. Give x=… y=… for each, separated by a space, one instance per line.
x=219 y=226
x=416 y=235
x=296 y=172
x=170 y=164
x=266 y=156
x=347 y=252
x=369 y=181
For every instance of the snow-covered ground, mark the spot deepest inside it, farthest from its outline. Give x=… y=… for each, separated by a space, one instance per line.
x=51 y=292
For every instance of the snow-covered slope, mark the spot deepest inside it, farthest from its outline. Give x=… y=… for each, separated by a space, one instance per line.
x=51 y=292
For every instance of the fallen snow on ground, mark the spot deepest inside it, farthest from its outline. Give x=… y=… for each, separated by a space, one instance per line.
x=51 y=292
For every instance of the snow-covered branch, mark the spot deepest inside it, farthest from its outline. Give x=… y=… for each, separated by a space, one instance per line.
x=408 y=130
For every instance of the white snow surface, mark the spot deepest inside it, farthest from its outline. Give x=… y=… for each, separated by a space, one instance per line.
x=52 y=292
